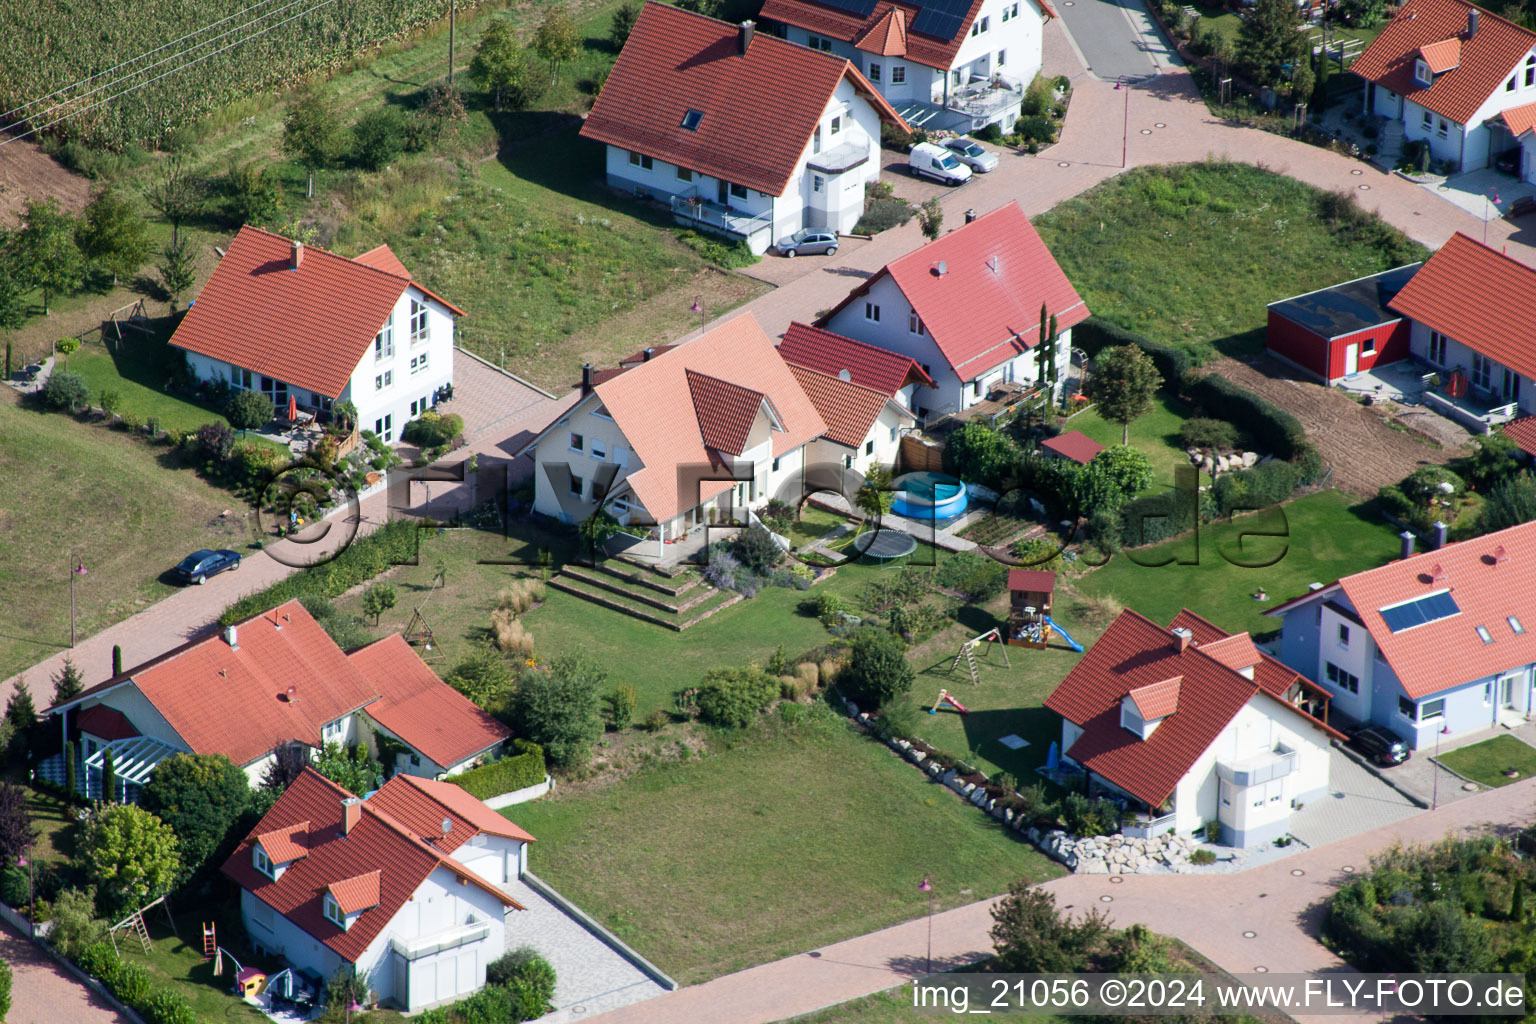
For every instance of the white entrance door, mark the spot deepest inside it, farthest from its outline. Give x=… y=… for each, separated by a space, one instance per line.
x=1507 y=693
x=1351 y=359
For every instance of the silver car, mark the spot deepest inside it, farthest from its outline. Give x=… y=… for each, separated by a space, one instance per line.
x=810 y=241
x=972 y=155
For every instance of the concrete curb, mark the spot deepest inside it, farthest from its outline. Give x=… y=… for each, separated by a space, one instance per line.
x=1418 y=800
x=1447 y=768
x=598 y=932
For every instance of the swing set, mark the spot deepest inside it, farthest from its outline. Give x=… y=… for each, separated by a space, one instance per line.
x=967 y=653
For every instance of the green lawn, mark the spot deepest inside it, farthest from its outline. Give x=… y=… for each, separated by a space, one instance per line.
x=177 y=963
x=1329 y=536
x=811 y=525
x=1485 y=762
x=1190 y=254
x=81 y=492
x=768 y=846
x=135 y=369
x=1155 y=435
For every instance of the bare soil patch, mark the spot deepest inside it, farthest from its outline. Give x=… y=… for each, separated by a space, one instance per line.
x=26 y=172
x=1366 y=452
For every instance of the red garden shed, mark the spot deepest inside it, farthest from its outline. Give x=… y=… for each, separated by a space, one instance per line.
x=1338 y=331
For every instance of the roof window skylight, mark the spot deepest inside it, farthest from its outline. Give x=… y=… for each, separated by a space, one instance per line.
x=1483 y=635
x=692 y=118
x=1514 y=624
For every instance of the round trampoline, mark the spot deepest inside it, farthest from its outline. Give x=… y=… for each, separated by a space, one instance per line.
x=885 y=544
x=928 y=495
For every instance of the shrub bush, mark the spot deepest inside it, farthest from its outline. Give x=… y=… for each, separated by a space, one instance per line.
x=619 y=706
x=1157 y=517
x=1038 y=97
x=1271 y=427
x=392 y=544
x=1096 y=334
x=432 y=430
x=524 y=968
x=881 y=214
x=877 y=669
x=560 y=707
x=1036 y=128
x=523 y=769
x=757 y=549
x=657 y=720
x=1084 y=817
x=65 y=390
x=976 y=577
x=379 y=137
x=1203 y=856
x=1259 y=487
x=168 y=1007
x=132 y=984
x=980 y=454
x=733 y=697
x=1204 y=432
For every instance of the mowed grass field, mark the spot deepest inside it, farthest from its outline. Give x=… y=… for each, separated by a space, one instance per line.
x=1485 y=762
x=775 y=842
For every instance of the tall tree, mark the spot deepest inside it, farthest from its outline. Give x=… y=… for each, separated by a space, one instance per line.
x=178 y=272
x=46 y=244
x=67 y=682
x=874 y=496
x=501 y=67
x=557 y=40
x=131 y=857
x=16 y=827
x=624 y=18
x=20 y=712
x=15 y=283
x=379 y=598
x=178 y=195
x=112 y=235
x=1511 y=502
x=1269 y=38
x=202 y=798
x=312 y=134
x=560 y=708
x=1123 y=384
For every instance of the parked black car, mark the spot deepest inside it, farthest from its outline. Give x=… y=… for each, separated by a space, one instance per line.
x=199 y=565
x=1381 y=746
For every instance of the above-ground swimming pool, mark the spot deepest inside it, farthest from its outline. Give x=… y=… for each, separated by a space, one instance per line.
x=928 y=495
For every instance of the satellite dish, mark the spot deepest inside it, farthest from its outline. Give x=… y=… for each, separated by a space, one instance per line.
x=447 y=827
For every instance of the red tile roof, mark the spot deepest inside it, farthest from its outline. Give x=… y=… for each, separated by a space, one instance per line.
x=1484 y=62
x=1040 y=581
x=1442 y=56
x=754 y=128
x=422 y=804
x=725 y=411
x=1519 y=120
x=106 y=723
x=377 y=843
x=873 y=367
x=1236 y=651
x=1074 y=445
x=1478 y=296
x=849 y=410
x=382 y=257
x=1523 y=432
x=358 y=893
x=307 y=327
x=887 y=36
x=1270 y=673
x=852 y=28
x=1490 y=578
x=1135 y=655
x=985 y=308
x=286 y=844
x=1157 y=700
x=420 y=708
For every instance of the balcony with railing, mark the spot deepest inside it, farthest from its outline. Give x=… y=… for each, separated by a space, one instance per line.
x=986 y=97
x=702 y=212
x=1266 y=767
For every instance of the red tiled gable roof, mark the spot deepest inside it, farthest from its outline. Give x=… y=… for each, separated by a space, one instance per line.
x=837 y=24
x=1519 y=120
x=1442 y=56
x=382 y=257
x=1041 y=581
x=420 y=708
x=377 y=843
x=1478 y=296
x=985 y=308
x=1236 y=651
x=358 y=893
x=849 y=410
x=759 y=108
x=653 y=408
x=831 y=353
x=422 y=804
x=1074 y=445
x=1269 y=673
x=726 y=411
x=1523 y=432
x=286 y=844
x=307 y=327
x=107 y=723
x=1135 y=653
x=887 y=36
x=1490 y=578
x=1157 y=700
x=1485 y=61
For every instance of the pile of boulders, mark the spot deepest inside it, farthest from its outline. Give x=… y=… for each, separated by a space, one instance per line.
x=1209 y=463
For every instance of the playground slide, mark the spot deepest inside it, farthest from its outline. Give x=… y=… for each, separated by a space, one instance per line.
x=956 y=705
x=1064 y=635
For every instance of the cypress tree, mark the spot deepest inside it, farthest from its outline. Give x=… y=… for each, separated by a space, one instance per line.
x=108 y=777
x=1517 y=901
x=117 y=660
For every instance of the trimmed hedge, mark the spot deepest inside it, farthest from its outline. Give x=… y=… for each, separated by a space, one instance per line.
x=131 y=983
x=390 y=545
x=510 y=774
x=1158 y=517
x=1094 y=334
x=1270 y=426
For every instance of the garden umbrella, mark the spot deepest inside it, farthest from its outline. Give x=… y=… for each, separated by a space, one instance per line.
x=293 y=409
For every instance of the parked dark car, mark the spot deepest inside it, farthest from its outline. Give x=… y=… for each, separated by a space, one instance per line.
x=199 y=565
x=809 y=241
x=1381 y=746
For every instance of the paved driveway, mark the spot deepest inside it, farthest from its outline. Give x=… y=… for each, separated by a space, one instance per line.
x=1110 y=42
x=1357 y=802
x=43 y=993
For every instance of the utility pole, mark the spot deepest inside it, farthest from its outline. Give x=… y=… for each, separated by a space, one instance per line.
x=452 y=10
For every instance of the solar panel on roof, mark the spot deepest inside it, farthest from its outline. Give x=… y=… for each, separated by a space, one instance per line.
x=941 y=18
x=1429 y=608
x=861 y=8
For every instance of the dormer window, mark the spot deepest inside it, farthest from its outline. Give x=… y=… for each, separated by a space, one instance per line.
x=1422 y=74
x=333 y=912
x=691 y=120
x=262 y=862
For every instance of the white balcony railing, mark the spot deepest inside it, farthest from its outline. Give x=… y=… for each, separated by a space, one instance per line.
x=723 y=218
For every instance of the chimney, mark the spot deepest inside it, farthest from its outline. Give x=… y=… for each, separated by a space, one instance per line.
x=351 y=813
x=1472 y=22
x=942 y=268
x=1182 y=638
x=232 y=637
x=645 y=356
x=970 y=215
x=1437 y=539
x=296 y=255
x=1407 y=549
x=744 y=35
x=586 y=378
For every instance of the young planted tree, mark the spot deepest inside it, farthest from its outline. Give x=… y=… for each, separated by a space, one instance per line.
x=877 y=669
x=312 y=134
x=930 y=217
x=71 y=781
x=378 y=599
x=624 y=18
x=46 y=243
x=253 y=196
x=501 y=67
x=178 y=196
x=112 y=236
x=557 y=40
x=1123 y=384
x=874 y=496
x=596 y=531
x=131 y=857
x=248 y=410
x=1270 y=38
x=67 y=682
x=177 y=272
x=117 y=660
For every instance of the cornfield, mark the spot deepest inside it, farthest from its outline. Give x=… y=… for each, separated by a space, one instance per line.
x=52 y=46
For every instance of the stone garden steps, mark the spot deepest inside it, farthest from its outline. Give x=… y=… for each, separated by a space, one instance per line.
x=640 y=592
x=636 y=576
x=699 y=608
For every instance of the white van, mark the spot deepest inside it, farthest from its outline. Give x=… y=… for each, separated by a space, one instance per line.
x=938 y=163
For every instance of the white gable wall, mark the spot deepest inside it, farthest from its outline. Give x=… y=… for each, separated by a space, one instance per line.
x=585 y=420
x=406 y=386
x=130 y=701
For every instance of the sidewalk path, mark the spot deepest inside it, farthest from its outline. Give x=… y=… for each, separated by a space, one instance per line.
x=41 y=991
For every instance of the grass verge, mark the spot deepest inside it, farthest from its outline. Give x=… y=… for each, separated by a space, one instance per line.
x=1485 y=762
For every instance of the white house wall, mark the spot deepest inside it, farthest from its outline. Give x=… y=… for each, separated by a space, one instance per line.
x=275 y=934
x=146 y=718
x=439 y=903
x=1466 y=146
x=555 y=447
x=1458 y=356
x=394 y=401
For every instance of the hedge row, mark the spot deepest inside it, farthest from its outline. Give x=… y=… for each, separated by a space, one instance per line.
x=390 y=545
x=1271 y=427
x=1267 y=484
x=510 y=774
x=133 y=985
x=1094 y=335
